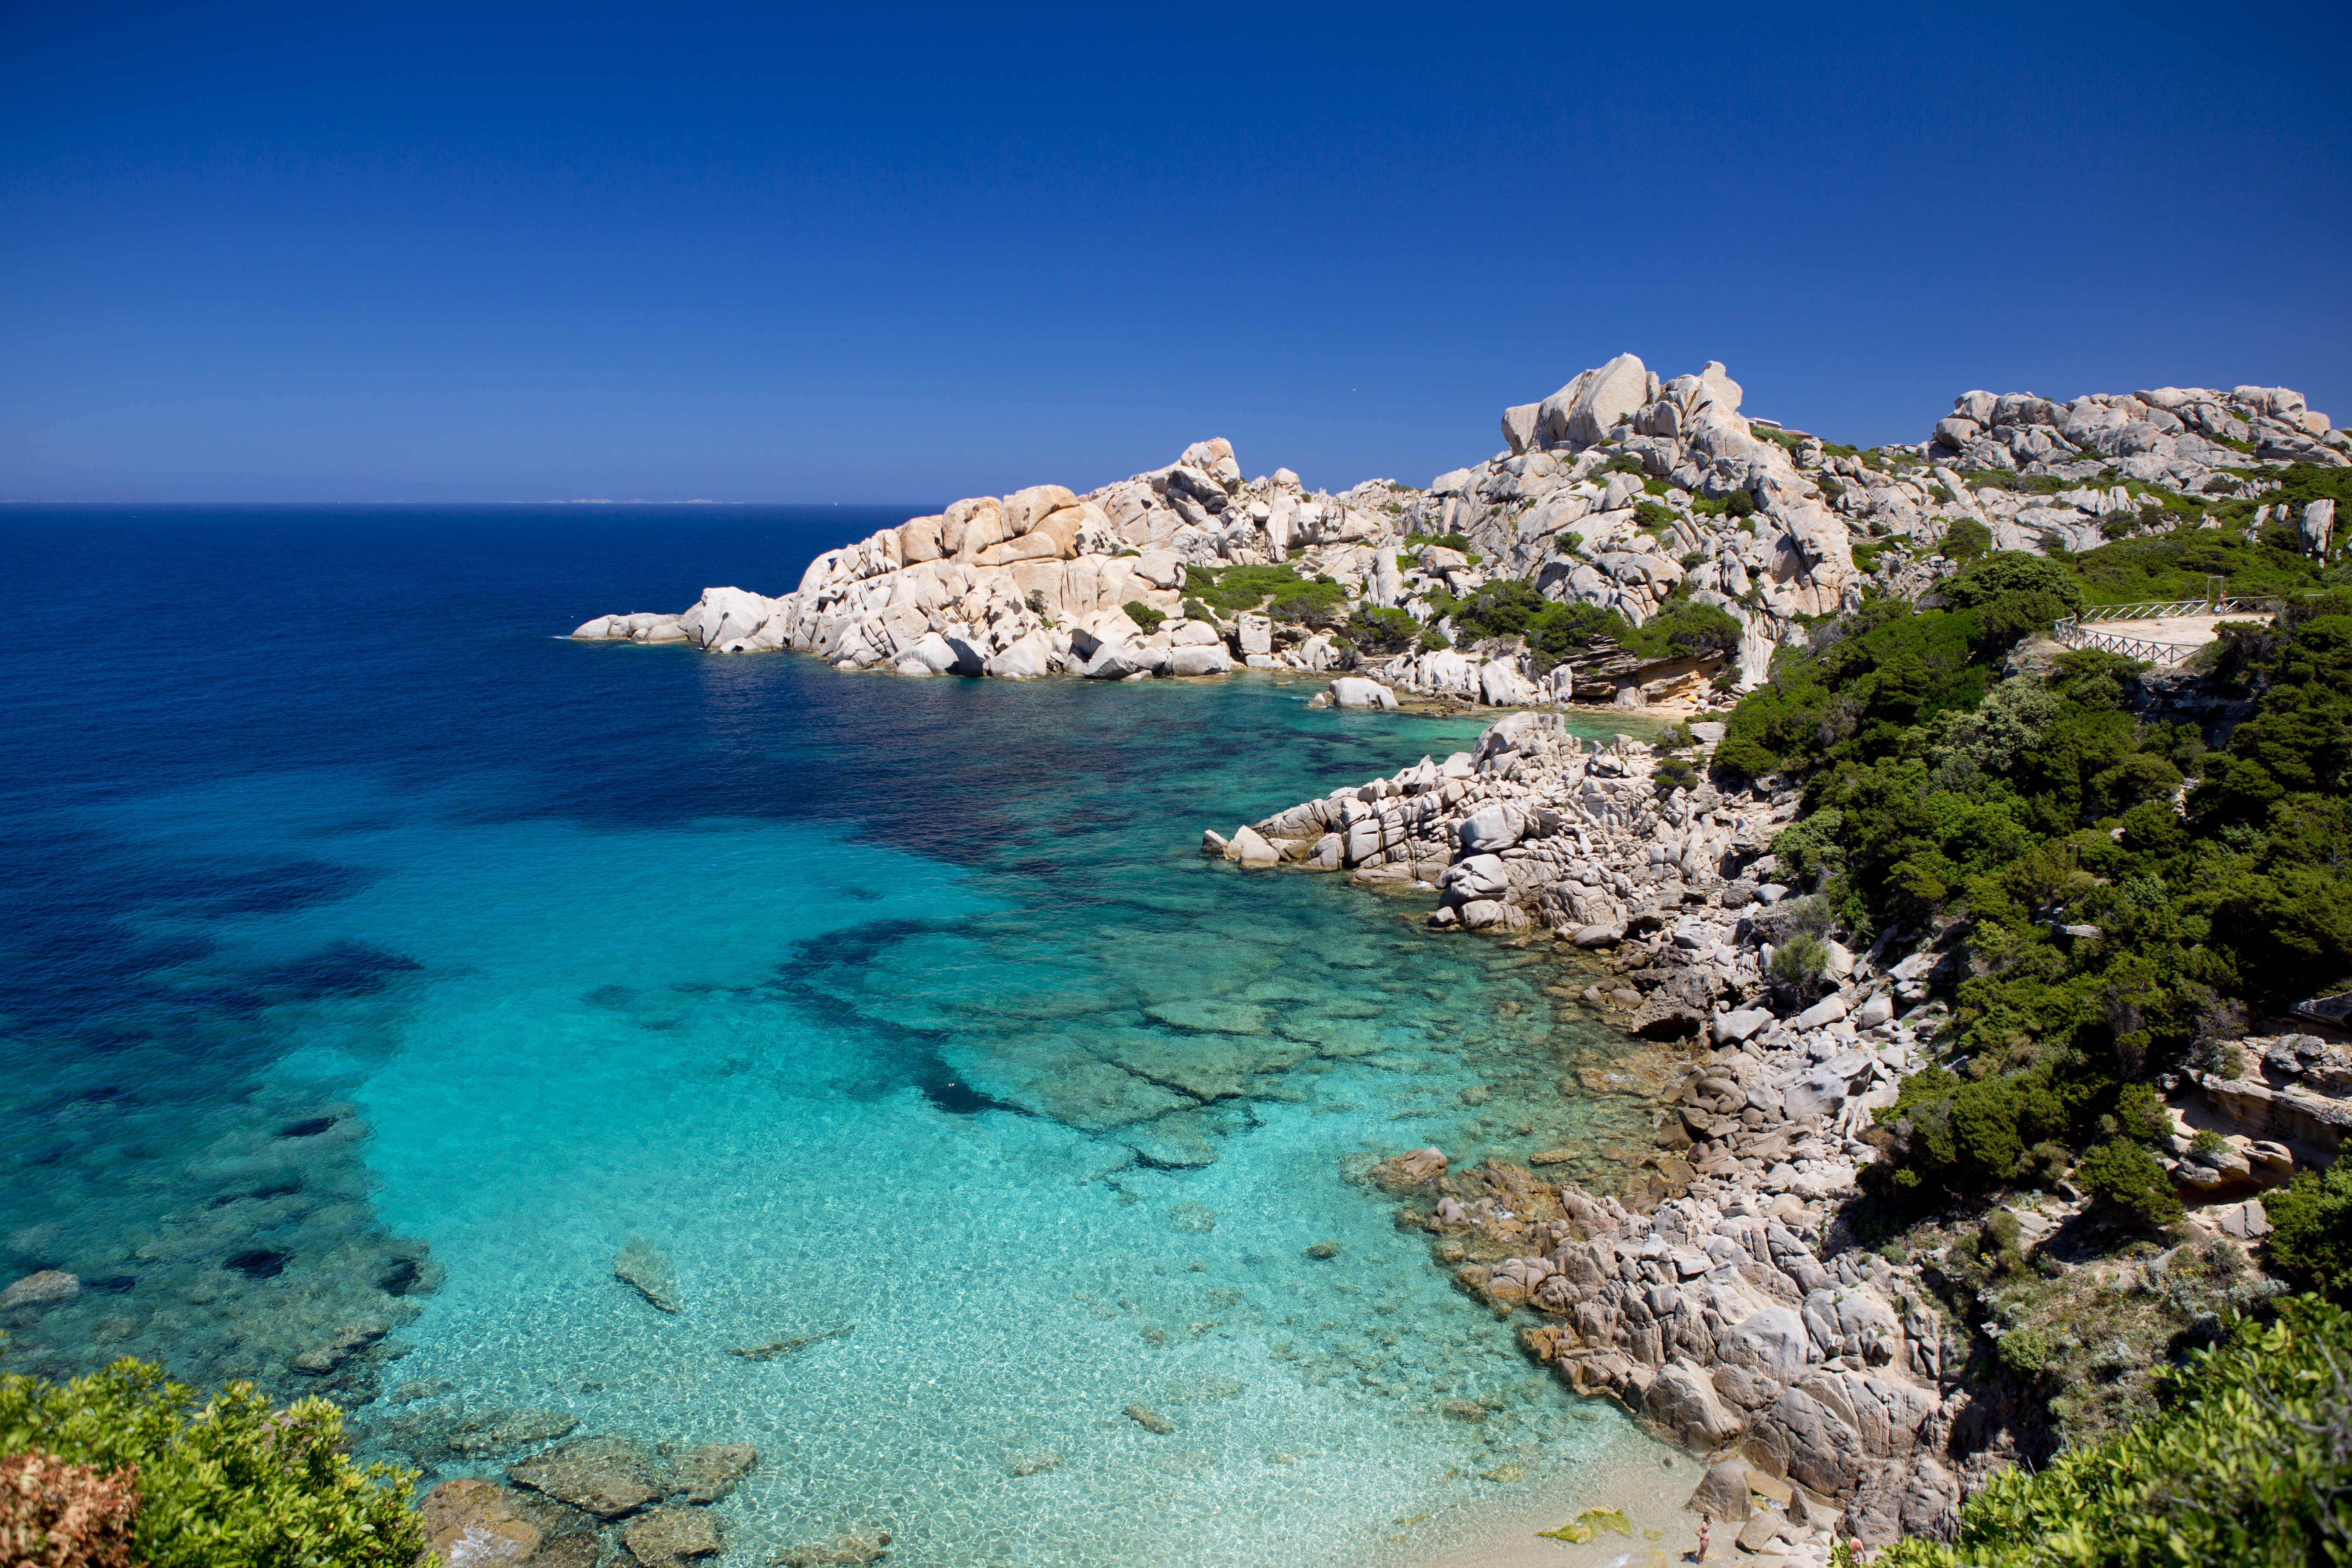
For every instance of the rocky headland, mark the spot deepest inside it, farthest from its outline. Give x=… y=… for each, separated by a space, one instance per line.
x=1720 y=1292
x=1622 y=492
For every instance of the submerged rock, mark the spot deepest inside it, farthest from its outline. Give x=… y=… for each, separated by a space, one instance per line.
x=647 y=1267
x=1150 y=1420
x=503 y=1431
x=705 y=1475
x=474 y=1523
x=40 y=1290
x=843 y=1550
x=670 y=1535
x=607 y=1475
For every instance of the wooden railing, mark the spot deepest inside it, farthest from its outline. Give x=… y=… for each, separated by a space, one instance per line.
x=2074 y=633
x=2161 y=610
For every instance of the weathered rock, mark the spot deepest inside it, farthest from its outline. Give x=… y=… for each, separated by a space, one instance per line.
x=844 y=1551
x=670 y=1535
x=1683 y=1401
x=646 y=1267
x=475 y=1523
x=1350 y=691
x=50 y=1285
x=1402 y=1172
x=1722 y=1494
x=1248 y=847
x=504 y=1431
x=705 y=1475
x=607 y=1475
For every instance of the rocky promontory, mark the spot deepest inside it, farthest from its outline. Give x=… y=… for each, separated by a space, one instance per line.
x=1622 y=492
x=1720 y=1294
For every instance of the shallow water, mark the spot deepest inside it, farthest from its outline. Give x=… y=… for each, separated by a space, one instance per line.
x=345 y=905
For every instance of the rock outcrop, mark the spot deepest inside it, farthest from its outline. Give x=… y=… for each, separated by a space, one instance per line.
x=1703 y=1295
x=1040 y=582
x=1621 y=491
x=572 y=1506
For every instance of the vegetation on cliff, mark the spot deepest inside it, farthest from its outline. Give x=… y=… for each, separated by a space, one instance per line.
x=127 y=1468
x=2249 y=1462
x=2112 y=895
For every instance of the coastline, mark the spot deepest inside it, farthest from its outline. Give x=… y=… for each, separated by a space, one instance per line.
x=1508 y=1534
x=1703 y=1295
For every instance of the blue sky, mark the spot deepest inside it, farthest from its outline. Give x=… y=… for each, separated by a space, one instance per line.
x=893 y=253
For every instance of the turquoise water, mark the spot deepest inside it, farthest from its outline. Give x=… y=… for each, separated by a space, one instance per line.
x=904 y=1007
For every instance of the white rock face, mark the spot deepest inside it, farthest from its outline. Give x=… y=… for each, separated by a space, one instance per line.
x=1622 y=492
x=1349 y=691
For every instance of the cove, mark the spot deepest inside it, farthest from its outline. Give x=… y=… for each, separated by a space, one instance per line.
x=905 y=1005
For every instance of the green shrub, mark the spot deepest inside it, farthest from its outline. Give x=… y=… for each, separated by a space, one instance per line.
x=1671 y=774
x=1683 y=628
x=1460 y=541
x=233 y=1484
x=1653 y=517
x=1231 y=590
x=1966 y=540
x=1321 y=603
x=2025 y=1352
x=1513 y=608
x=1144 y=615
x=2206 y=1141
x=2126 y=1174
x=1379 y=632
x=2013 y=572
x=2311 y=1235
x=2248 y=1463
x=1800 y=962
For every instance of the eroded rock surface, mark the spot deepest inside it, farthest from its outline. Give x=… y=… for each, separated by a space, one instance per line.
x=646 y=1267
x=605 y=1476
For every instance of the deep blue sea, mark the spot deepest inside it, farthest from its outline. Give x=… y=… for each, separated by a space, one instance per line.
x=374 y=961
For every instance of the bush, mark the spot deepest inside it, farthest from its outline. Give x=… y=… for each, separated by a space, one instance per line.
x=2026 y=1351
x=1230 y=590
x=2310 y=1234
x=234 y=1484
x=1460 y=541
x=1144 y=615
x=2126 y=1174
x=56 y=1515
x=1321 y=605
x=1800 y=962
x=1379 y=632
x=1684 y=628
x=2249 y=1463
x=1966 y=540
x=1512 y=608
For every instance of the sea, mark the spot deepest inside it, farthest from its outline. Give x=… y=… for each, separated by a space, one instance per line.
x=377 y=964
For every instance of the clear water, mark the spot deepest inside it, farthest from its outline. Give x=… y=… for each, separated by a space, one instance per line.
x=344 y=904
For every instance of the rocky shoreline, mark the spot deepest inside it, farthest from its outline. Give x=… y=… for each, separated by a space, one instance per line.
x=1719 y=1295
x=1622 y=492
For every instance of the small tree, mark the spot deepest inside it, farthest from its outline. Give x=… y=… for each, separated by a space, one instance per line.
x=231 y=1484
x=1966 y=540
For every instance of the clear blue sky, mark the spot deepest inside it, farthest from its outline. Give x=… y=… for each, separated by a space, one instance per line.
x=892 y=252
